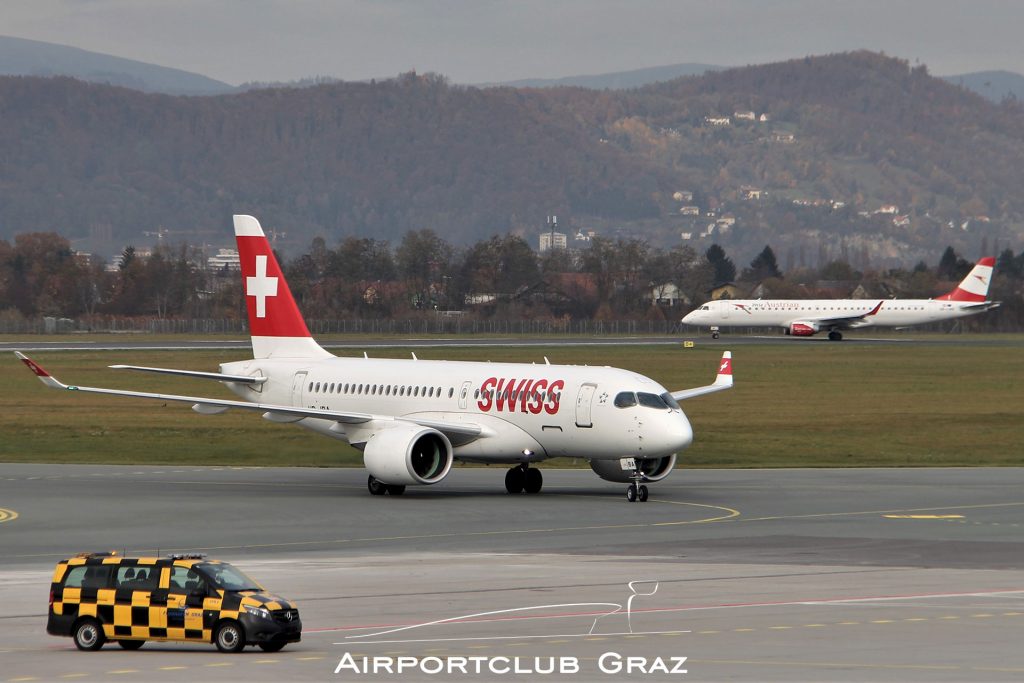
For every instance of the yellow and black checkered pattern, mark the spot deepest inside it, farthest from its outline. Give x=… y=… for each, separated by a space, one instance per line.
x=146 y=609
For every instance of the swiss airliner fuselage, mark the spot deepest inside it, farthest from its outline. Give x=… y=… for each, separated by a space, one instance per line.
x=536 y=411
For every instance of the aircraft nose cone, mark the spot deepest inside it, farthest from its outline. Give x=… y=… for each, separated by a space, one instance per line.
x=690 y=317
x=677 y=435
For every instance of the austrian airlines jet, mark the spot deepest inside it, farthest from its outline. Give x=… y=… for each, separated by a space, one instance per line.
x=804 y=318
x=413 y=418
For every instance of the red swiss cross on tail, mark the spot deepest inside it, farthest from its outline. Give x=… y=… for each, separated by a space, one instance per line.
x=275 y=323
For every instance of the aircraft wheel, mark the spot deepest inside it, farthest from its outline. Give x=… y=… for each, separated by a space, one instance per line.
x=835 y=336
x=396 y=489
x=642 y=494
x=515 y=480
x=534 y=480
x=714 y=335
x=631 y=493
x=375 y=487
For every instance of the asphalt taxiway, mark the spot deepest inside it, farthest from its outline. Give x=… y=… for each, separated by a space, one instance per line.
x=795 y=575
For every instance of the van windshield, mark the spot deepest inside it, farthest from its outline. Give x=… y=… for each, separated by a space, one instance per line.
x=228 y=577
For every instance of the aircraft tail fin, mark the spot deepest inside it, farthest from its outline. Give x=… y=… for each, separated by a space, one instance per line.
x=275 y=323
x=974 y=287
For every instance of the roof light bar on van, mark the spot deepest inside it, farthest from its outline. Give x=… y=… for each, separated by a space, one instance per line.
x=187 y=556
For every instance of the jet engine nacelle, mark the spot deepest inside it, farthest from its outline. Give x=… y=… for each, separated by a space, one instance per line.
x=408 y=455
x=799 y=329
x=654 y=469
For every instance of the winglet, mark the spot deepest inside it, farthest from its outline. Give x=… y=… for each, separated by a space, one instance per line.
x=723 y=380
x=724 y=377
x=45 y=377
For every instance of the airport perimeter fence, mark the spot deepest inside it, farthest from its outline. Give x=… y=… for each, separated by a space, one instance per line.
x=441 y=324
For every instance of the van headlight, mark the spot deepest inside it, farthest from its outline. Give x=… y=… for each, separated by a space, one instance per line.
x=258 y=612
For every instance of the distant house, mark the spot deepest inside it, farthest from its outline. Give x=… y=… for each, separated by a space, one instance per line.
x=744 y=115
x=686 y=235
x=763 y=118
x=689 y=210
x=718 y=121
x=747 y=192
x=901 y=221
x=891 y=209
x=784 y=138
x=668 y=295
x=726 y=290
x=683 y=196
x=226 y=259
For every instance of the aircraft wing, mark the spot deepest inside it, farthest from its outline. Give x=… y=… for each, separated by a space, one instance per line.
x=723 y=380
x=276 y=413
x=241 y=379
x=845 y=321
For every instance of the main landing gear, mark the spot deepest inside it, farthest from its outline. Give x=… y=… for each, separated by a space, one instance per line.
x=523 y=478
x=379 y=488
x=835 y=335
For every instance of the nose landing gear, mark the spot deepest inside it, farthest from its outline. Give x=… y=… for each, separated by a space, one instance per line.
x=636 y=491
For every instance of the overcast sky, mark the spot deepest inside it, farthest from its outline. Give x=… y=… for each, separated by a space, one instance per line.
x=476 y=41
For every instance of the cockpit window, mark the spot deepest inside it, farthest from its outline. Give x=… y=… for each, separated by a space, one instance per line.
x=626 y=399
x=705 y=308
x=651 y=401
x=672 y=403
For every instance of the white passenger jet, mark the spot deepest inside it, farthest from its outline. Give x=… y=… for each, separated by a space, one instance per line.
x=413 y=418
x=805 y=317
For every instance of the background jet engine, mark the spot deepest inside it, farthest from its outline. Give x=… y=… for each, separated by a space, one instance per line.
x=803 y=329
x=408 y=455
x=654 y=469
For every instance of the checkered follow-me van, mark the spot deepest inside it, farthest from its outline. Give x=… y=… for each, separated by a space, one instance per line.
x=96 y=597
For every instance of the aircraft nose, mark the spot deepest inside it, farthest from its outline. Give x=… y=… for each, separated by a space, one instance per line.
x=690 y=318
x=677 y=433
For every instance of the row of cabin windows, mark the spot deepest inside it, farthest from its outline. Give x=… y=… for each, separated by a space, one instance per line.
x=855 y=309
x=510 y=395
x=377 y=390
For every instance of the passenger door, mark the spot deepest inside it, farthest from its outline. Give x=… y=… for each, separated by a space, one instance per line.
x=298 y=387
x=583 y=403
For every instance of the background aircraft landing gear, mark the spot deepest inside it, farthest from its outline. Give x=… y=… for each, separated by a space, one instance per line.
x=523 y=478
x=835 y=335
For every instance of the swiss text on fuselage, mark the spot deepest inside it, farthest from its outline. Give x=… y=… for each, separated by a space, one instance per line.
x=501 y=394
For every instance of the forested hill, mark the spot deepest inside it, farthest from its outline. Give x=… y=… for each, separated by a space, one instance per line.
x=841 y=136
x=368 y=159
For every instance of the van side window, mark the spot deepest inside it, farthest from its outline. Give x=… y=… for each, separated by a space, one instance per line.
x=95 y=576
x=185 y=580
x=137 y=578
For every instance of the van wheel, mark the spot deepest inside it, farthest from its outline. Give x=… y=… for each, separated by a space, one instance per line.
x=229 y=636
x=89 y=635
x=272 y=646
x=131 y=644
